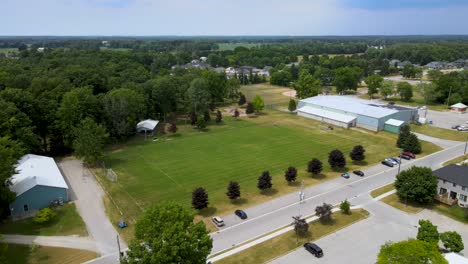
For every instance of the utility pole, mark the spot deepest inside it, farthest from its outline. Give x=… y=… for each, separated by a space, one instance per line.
x=118 y=245
x=448 y=98
x=399 y=163
x=466 y=144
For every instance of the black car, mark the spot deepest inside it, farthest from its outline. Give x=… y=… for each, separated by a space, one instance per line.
x=405 y=157
x=387 y=163
x=241 y=214
x=359 y=173
x=314 y=249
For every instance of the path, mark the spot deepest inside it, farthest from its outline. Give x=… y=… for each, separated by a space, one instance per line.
x=90 y=205
x=443 y=143
x=53 y=241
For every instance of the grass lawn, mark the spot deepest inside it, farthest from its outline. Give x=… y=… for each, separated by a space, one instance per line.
x=456 y=160
x=382 y=190
x=21 y=254
x=67 y=222
x=271 y=94
x=409 y=207
x=440 y=132
x=455 y=212
x=287 y=242
x=232 y=46
x=7 y=50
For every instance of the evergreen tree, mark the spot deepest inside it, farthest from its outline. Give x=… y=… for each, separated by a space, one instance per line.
x=242 y=99
x=219 y=117
x=193 y=118
x=290 y=174
x=199 y=198
x=336 y=159
x=412 y=144
x=206 y=116
x=292 y=105
x=249 y=109
x=264 y=181
x=405 y=131
x=233 y=190
x=357 y=154
x=314 y=166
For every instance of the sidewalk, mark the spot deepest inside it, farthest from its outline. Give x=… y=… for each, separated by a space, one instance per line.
x=84 y=243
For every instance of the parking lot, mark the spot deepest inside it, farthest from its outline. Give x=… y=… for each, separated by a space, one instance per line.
x=444 y=119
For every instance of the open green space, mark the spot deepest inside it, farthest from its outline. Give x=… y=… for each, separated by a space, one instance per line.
x=271 y=94
x=8 y=50
x=456 y=160
x=287 y=242
x=384 y=189
x=406 y=206
x=440 y=132
x=21 y=254
x=67 y=222
x=232 y=46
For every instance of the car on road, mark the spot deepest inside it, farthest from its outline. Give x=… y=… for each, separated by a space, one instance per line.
x=409 y=154
x=403 y=156
x=241 y=214
x=387 y=163
x=455 y=126
x=462 y=128
x=218 y=221
x=359 y=173
x=391 y=161
x=397 y=160
x=314 y=249
x=345 y=175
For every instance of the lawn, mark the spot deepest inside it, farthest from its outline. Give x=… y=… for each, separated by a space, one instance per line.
x=384 y=189
x=409 y=207
x=232 y=46
x=21 y=254
x=287 y=242
x=67 y=222
x=7 y=50
x=440 y=132
x=456 y=160
x=271 y=94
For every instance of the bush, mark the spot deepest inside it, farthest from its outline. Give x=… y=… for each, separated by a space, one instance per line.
x=324 y=212
x=206 y=116
x=452 y=241
x=241 y=99
x=292 y=105
x=345 y=207
x=172 y=127
x=236 y=113
x=201 y=123
x=249 y=109
x=219 y=117
x=44 y=216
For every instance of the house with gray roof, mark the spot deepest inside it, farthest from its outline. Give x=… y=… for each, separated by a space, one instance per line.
x=452 y=186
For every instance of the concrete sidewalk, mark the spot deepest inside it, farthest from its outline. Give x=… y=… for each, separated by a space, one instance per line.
x=84 y=243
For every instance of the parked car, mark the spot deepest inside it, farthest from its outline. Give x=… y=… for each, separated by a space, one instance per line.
x=359 y=173
x=345 y=175
x=391 y=161
x=409 y=154
x=462 y=128
x=314 y=249
x=387 y=163
x=218 y=221
x=241 y=214
x=397 y=160
x=403 y=156
x=455 y=126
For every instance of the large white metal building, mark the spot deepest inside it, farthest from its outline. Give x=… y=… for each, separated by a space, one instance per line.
x=348 y=112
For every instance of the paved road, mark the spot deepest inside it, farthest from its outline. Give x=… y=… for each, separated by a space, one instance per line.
x=90 y=206
x=277 y=213
x=53 y=241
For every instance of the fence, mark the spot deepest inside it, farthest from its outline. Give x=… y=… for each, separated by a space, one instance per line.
x=109 y=172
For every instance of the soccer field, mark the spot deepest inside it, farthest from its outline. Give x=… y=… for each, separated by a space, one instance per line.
x=239 y=150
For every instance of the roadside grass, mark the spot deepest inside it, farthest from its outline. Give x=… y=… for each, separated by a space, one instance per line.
x=21 y=254
x=456 y=160
x=440 y=132
x=288 y=241
x=408 y=207
x=455 y=212
x=382 y=190
x=67 y=222
x=271 y=94
x=232 y=46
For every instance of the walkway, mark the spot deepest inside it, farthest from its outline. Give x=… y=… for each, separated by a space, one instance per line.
x=53 y=241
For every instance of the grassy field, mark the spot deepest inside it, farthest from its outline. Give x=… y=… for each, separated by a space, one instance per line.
x=20 y=254
x=67 y=222
x=382 y=190
x=284 y=243
x=7 y=50
x=440 y=132
x=408 y=207
x=456 y=160
x=271 y=94
x=232 y=46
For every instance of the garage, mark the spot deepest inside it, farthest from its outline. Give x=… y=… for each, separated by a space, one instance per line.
x=333 y=118
x=393 y=125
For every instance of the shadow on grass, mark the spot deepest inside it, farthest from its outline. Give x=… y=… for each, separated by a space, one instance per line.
x=176 y=135
x=327 y=222
x=239 y=201
x=269 y=192
x=294 y=184
x=319 y=176
x=209 y=211
x=337 y=169
x=360 y=163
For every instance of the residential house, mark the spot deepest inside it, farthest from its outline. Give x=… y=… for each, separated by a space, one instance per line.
x=452 y=187
x=435 y=65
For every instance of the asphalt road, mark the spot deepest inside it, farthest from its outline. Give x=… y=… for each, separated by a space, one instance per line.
x=277 y=213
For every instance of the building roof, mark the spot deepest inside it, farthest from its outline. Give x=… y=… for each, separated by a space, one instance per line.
x=393 y=107
x=327 y=114
x=350 y=105
x=33 y=170
x=148 y=124
x=458 y=105
x=454 y=174
x=394 y=122
x=454 y=258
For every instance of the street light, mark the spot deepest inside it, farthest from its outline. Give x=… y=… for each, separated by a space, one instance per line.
x=466 y=144
x=399 y=163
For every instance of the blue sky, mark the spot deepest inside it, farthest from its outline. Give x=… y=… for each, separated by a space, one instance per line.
x=233 y=17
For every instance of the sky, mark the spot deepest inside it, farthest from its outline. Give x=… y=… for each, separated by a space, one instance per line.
x=233 y=17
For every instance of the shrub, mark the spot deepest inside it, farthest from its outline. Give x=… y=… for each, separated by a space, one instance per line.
x=345 y=207
x=249 y=109
x=44 y=215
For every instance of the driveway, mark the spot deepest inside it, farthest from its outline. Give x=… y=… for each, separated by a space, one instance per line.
x=90 y=205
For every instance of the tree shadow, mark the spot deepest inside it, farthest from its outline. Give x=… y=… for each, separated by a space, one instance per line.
x=337 y=169
x=209 y=211
x=252 y=116
x=239 y=201
x=360 y=163
x=294 y=184
x=269 y=192
x=319 y=176
x=261 y=113
x=327 y=222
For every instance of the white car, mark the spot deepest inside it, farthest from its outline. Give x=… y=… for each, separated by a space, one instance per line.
x=462 y=128
x=218 y=221
x=392 y=161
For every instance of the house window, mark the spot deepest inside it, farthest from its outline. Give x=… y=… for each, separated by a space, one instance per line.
x=454 y=185
x=442 y=191
x=25 y=207
x=462 y=197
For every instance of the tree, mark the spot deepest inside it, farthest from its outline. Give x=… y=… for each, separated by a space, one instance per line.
x=301 y=227
x=428 y=91
x=314 y=166
x=173 y=127
x=198 y=96
x=10 y=152
x=409 y=71
x=242 y=100
x=236 y=113
x=405 y=90
x=412 y=144
x=199 y=198
x=290 y=174
x=324 y=212
x=345 y=207
x=193 y=118
x=347 y=78
x=434 y=75
x=219 y=117
x=410 y=251
x=282 y=78
x=387 y=88
x=258 y=103
x=405 y=131
x=417 y=184
x=250 y=108
x=428 y=232
x=89 y=141
x=166 y=233
x=336 y=159
x=292 y=105
x=452 y=241
x=357 y=154
x=206 y=116
x=45 y=215
x=307 y=85
x=373 y=83
x=264 y=181
x=233 y=190
x=201 y=123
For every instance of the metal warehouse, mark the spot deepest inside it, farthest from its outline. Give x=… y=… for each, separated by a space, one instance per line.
x=348 y=112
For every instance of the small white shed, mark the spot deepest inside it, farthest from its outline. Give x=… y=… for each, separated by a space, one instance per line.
x=458 y=108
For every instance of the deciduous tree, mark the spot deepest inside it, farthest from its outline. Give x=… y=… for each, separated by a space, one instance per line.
x=233 y=190
x=324 y=212
x=410 y=251
x=387 y=89
x=264 y=181
x=199 y=198
x=10 y=152
x=290 y=174
x=417 y=184
x=301 y=227
x=258 y=103
x=374 y=82
x=452 y=241
x=89 y=141
x=428 y=232
x=405 y=90
x=345 y=207
x=314 y=166
x=336 y=159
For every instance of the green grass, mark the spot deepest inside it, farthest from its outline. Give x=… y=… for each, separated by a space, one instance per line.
x=271 y=94
x=286 y=242
x=455 y=212
x=21 y=254
x=7 y=50
x=382 y=190
x=232 y=46
x=409 y=207
x=67 y=222
x=440 y=132
x=456 y=160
